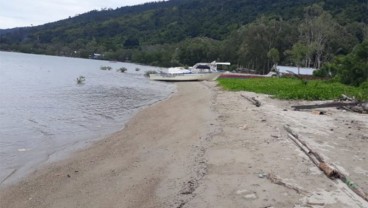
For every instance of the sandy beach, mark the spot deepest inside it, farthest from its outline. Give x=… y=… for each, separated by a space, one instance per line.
x=205 y=147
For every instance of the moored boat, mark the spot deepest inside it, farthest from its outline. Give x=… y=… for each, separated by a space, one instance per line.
x=199 y=72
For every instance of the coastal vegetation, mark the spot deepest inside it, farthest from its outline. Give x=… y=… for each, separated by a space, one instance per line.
x=350 y=69
x=122 y=69
x=106 y=68
x=330 y=35
x=295 y=89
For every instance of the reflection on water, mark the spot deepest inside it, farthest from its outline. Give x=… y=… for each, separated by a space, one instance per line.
x=44 y=113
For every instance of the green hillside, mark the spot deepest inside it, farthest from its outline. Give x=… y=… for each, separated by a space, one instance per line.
x=249 y=33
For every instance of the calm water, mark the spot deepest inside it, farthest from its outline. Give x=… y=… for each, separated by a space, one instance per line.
x=44 y=113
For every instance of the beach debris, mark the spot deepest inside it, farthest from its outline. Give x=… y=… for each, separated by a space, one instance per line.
x=359 y=108
x=319 y=112
x=276 y=180
x=249 y=195
x=253 y=100
x=262 y=175
x=81 y=80
x=330 y=171
x=344 y=97
x=337 y=104
x=345 y=103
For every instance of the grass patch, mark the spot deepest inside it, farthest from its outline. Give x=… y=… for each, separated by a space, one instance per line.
x=289 y=88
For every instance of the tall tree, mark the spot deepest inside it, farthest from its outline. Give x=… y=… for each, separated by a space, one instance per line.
x=274 y=55
x=315 y=30
x=258 y=38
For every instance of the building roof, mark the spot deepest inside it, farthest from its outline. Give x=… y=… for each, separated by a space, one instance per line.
x=295 y=70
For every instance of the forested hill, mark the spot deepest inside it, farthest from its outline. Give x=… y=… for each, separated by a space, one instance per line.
x=249 y=33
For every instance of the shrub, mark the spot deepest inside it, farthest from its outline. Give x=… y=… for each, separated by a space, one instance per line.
x=122 y=69
x=350 y=69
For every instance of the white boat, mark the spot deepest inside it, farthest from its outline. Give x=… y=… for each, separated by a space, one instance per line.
x=185 y=77
x=199 y=72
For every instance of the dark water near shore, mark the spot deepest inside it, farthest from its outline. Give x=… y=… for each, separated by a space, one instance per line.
x=45 y=114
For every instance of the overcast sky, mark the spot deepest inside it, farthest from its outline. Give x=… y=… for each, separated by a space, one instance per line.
x=19 y=13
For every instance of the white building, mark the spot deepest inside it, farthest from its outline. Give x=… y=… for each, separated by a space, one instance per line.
x=284 y=70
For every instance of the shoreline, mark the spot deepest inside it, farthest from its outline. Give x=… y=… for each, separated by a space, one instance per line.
x=137 y=150
x=45 y=116
x=14 y=176
x=205 y=147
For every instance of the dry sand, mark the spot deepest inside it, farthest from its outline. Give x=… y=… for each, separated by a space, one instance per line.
x=205 y=147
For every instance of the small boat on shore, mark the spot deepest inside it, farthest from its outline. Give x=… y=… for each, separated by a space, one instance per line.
x=199 y=72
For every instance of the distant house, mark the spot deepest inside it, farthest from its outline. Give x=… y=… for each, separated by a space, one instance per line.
x=289 y=70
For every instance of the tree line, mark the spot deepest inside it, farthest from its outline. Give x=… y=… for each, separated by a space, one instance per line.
x=250 y=34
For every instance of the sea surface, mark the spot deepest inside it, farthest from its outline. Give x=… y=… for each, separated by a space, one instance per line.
x=45 y=114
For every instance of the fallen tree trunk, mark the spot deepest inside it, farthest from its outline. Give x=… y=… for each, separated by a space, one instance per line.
x=313 y=155
x=253 y=100
x=325 y=105
x=361 y=108
x=319 y=161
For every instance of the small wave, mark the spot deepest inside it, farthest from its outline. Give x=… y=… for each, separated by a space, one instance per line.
x=105 y=116
x=45 y=133
x=36 y=122
x=33 y=121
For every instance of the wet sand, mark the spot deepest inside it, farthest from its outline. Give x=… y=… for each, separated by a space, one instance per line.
x=205 y=147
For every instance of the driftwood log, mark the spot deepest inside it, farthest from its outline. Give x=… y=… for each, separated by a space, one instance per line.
x=313 y=155
x=253 y=100
x=345 y=102
x=360 y=108
x=325 y=105
x=319 y=161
